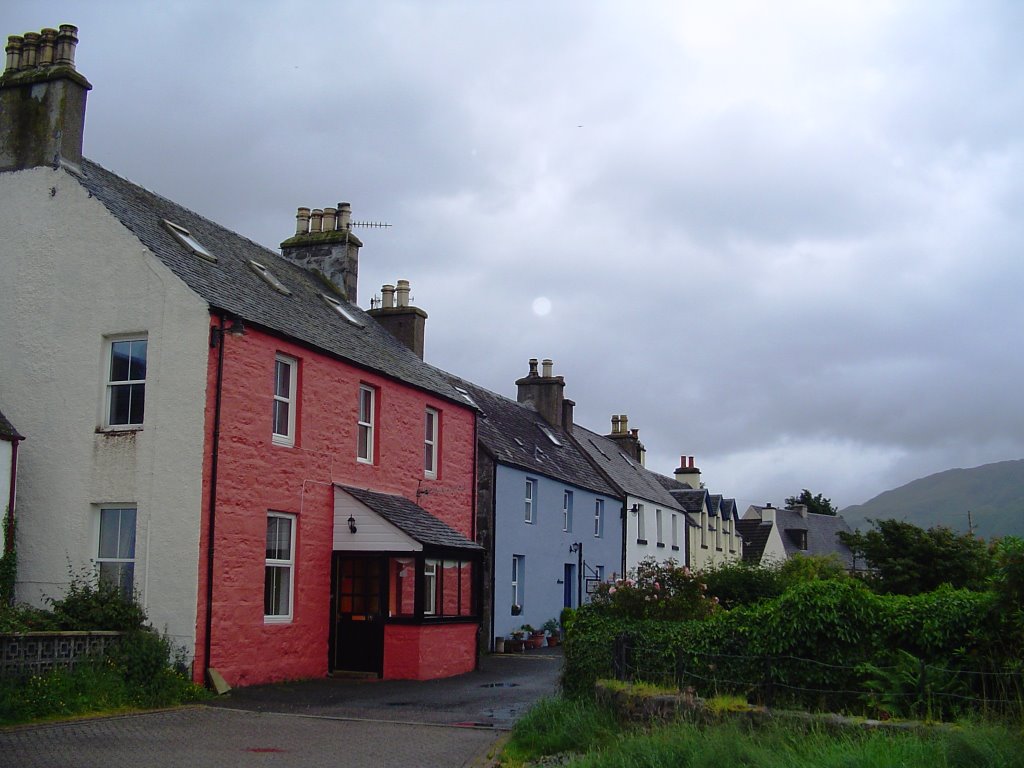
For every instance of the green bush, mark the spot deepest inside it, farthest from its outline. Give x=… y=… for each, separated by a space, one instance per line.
x=741 y=583
x=91 y=603
x=813 y=646
x=142 y=670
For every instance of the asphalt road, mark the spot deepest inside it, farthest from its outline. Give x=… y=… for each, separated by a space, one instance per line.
x=330 y=722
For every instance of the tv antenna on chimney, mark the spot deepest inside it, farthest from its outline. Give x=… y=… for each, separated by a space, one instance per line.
x=370 y=224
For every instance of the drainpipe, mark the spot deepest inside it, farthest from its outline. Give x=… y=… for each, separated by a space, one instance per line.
x=216 y=337
x=625 y=524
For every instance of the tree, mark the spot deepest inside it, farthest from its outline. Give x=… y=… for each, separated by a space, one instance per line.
x=905 y=559
x=817 y=504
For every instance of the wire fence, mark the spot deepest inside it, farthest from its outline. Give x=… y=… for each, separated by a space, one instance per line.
x=905 y=687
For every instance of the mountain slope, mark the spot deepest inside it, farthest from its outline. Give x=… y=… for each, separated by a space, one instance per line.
x=994 y=494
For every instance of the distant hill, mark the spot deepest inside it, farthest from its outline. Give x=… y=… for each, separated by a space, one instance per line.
x=994 y=493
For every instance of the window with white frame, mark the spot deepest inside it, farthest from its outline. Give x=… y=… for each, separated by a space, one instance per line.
x=641 y=526
x=567 y=511
x=659 y=528
x=278 y=582
x=703 y=527
x=531 y=497
x=115 y=550
x=599 y=518
x=285 y=398
x=126 y=382
x=367 y=405
x=675 y=531
x=518 y=575
x=430 y=587
x=718 y=533
x=430 y=431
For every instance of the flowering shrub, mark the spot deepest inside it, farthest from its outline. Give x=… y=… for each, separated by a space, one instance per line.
x=656 y=590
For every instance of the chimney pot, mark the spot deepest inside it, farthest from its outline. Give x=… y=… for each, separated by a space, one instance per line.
x=402 y=293
x=344 y=216
x=316 y=220
x=30 y=50
x=546 y=370
x=67 y=40
x=329 y=216
x=302 y=221
x=615 y=424
x=387 y=296
x=14 y=43
x=634 y=433
x=47 y=45
x=623 y=423
x=533 y=366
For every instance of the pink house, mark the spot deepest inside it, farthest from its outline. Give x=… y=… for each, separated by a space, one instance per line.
x=284 y=483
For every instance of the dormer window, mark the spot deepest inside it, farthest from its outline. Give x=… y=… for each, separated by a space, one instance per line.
x=269 y=277
x=184 y=237
x=341 y=310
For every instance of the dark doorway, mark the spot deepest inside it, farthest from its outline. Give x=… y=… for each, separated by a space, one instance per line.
x=358 y=610
x=569 y=585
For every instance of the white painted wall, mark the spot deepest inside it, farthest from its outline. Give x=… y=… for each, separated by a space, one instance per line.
x=373 y=532
x=71 y=275
x=635 y=551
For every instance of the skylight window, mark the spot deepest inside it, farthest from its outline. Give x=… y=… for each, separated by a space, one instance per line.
x=599 y=450
x=467 y=397
x=519 y=442
x=341 y=310
x=184 y=237
x=266 y=274
x=628 y=460
x=549 y=435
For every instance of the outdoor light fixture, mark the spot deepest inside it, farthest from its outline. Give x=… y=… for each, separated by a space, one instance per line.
x=237 y=328
x=351 y=524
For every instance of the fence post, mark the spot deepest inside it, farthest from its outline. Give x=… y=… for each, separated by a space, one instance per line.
x=620 y=657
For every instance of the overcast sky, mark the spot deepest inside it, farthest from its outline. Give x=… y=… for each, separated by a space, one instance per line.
x=785 y=238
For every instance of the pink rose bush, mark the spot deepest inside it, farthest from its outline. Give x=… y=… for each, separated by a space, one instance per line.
x=656 y=590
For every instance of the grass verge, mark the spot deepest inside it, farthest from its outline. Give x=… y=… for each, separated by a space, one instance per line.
x=559 y=725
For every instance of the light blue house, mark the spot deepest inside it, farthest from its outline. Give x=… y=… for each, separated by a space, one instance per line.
x=549 y=521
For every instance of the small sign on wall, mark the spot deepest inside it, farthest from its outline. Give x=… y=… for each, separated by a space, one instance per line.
x=592 y=585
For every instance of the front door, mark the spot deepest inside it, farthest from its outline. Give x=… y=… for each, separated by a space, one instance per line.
x=358 y=589
x=569 y=582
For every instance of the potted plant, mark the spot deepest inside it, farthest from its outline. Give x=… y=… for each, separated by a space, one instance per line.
x=550 y=627
x=514 y=643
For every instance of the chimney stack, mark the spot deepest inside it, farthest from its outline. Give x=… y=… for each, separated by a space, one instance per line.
x=547 y=394
x=402 y=320
x=687 y=473
x=627 y=439
x=323 y=243
x=42 y=101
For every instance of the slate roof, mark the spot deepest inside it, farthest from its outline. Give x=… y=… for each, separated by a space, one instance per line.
x=412 y=519
x=231 y=284
x=627 y=474
x=511 y=432
x=755 y=535
x=821 y=530
x=7 y=430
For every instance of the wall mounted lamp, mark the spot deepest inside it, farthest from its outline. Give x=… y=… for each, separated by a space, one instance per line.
x=351 y=524
x=236 y=328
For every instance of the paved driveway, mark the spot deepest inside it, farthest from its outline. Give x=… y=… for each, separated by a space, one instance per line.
x=329 y=722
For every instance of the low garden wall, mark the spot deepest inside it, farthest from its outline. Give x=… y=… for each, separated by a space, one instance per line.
x=36 y=653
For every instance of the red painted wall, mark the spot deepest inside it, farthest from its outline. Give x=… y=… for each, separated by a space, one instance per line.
x=255 y=477
x=427 y=652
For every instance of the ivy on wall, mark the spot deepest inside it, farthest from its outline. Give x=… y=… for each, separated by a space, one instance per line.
x=8 y=562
